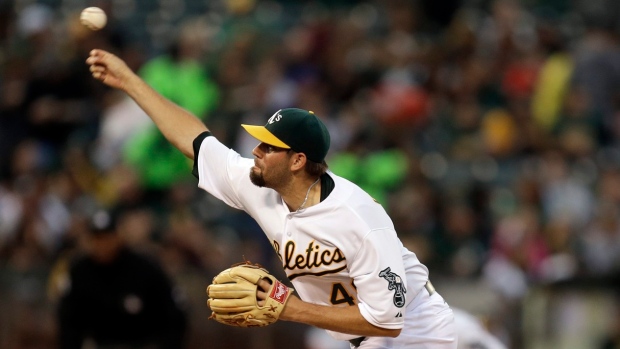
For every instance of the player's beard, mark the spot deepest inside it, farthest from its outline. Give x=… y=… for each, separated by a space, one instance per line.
x=257 y=178
x=275 y=178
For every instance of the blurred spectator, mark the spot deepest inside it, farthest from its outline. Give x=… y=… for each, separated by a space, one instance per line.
x=473 y=333
x=180 y=76
x=599 y=243
x=113 y=297
x=611 y=340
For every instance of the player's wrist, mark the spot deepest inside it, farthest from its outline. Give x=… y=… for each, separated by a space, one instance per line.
x=131 y=82
x=290 y=308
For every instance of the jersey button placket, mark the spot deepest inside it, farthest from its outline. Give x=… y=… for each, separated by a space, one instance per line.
x=286 y=224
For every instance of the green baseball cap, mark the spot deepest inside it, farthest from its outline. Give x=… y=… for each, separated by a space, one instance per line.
x=296 y=129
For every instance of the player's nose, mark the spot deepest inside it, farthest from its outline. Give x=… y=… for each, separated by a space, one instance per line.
x=257 y=151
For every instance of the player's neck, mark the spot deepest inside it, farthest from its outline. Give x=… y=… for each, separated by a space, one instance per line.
x=303 y=195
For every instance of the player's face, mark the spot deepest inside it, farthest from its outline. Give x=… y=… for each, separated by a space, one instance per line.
x=271 y=168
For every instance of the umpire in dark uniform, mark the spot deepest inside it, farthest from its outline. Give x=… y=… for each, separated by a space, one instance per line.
x=117 y=298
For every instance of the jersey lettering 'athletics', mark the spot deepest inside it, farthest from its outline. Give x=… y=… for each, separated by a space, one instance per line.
x=313 y=258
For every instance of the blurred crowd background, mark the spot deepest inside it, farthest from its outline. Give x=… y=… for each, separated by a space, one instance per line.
x=489 y=130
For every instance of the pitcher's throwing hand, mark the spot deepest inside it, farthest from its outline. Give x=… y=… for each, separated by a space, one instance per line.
x=109 y=69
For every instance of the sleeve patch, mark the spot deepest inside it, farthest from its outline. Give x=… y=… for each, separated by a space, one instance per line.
x=395 y=283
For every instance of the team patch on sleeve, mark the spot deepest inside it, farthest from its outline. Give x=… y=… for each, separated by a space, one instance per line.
x=395 y=283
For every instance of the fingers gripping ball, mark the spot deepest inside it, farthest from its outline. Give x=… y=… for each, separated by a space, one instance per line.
x=233 y=299
x=93 y=18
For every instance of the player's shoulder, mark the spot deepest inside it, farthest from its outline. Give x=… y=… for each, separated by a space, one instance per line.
x=344 y=189
x=206 y=143
x=350 y=193
x=352 y=200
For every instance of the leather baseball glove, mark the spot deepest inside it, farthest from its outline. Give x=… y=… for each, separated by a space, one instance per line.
x=233 y=299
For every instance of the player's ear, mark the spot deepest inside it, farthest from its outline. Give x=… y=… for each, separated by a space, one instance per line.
x=298 y=161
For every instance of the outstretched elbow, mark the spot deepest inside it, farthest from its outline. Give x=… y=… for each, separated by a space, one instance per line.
x=393 y=333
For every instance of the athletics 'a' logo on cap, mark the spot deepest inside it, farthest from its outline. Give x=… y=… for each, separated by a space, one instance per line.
x=275 y=117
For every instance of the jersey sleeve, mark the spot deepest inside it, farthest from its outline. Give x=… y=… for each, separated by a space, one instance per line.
x=379 y=276
x=222 y=172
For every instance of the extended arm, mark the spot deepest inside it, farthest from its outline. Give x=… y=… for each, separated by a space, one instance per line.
x=179 y=126
x=339 y=319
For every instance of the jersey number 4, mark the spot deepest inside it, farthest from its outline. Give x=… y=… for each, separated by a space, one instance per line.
x=340 y=295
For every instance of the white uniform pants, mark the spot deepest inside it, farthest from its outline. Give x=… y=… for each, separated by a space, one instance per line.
x=429 y=324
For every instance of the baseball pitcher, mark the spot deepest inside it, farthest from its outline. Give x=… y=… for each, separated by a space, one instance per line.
x=351 y=274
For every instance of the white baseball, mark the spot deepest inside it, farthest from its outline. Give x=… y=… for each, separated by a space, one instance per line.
x=93 y=18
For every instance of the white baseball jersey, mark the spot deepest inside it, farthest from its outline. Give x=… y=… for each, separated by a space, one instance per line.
x=343 y=251
x=472 y=333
